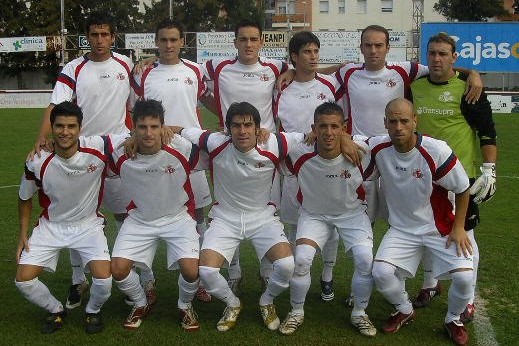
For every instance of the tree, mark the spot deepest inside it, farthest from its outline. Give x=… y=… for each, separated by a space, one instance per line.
x=470 y=10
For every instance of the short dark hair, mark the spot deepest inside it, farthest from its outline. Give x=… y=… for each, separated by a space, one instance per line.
x=247 y=22
x=299 y=40
x=68 y=109
x=169 y=23
x=443 y=37
x=100 y=18
x=378 y=28
x=328 y=108
x=148 y=108
x=242 y=108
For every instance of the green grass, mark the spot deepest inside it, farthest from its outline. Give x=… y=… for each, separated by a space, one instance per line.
x=325 y=323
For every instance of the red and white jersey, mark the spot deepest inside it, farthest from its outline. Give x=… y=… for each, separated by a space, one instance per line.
x=416 y=183
x=70 y=190
x=158 y=185
x=178 y=87
x=366 y=93
x=296 y=104
x=328 y=187
x=101 y=89
x=242 y=181
x=231 y=81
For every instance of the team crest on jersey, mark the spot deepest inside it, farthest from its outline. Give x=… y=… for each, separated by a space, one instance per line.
x=345 y=174
x=120 y=76
x=169 y=169
x=321 y=96
x=188 y=81
x=259 y=165
x=264 y=78
x=417 y=173
x=390 y=83
x=446 y=96
x=91 y=168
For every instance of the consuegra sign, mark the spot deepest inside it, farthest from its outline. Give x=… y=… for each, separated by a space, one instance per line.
x=485 y=47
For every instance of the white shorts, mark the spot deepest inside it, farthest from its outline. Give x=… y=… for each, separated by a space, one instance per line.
x=354 y=230
x=48 y=238
x=229 y=228
x=200 y=188
x=289 y=210
x=138 y=242
x=114 y=199
x=405 y=250
x=376 y=200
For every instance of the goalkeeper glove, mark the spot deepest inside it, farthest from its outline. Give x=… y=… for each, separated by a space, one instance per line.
x=484 y=187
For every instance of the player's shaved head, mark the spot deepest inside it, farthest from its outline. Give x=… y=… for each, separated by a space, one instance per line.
x=399 y=104
x=328 y=108
x=148 y=108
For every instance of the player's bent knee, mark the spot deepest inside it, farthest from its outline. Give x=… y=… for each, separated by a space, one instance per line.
x=304 y=258
x=120 y=268
x=382 y=272
x=363 y=257
x=100 y=269
x=284 y=267
x=26 y=272
x=208 y=275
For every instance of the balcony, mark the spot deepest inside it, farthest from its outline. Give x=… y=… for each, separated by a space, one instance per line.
x=289 y=21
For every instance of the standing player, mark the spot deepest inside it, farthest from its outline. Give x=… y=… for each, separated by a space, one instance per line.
x=418 y=171
x=294 y=108
x=242 y=173
x=69 y=181
x=445 y=114
x=99 y=82
x=157 y=183
x=178 y=83
x=331 y=197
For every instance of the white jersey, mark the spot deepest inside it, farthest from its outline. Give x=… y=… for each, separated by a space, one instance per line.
x=101 y=89
x=417 y=183
x=366 y=93
x=328 y=187
x=296 y=104
x=70 y=189
x=178 y=87
x=232 y=81
x=242 y=181
x=158 y=185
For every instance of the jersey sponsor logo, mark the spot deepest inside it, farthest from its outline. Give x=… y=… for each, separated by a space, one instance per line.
x=104 y=76
x=248 y=75
x=304 y=97
x=243 y=163
x=446 y=96
x=391 y=83
x=76 y=172
x=433 y=111
x=151 y=170
x=173 y=79
x=402 y=169
x=188 y=81
x=91 y=168
x=169 y=169
x=120 y=76
x=417 y=173
x=321 y=96
x=374 y=82
x=264 y=78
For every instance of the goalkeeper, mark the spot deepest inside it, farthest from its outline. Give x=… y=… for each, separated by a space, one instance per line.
x=469 y=130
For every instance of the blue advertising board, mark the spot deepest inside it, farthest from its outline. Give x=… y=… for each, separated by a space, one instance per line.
x=485 y=47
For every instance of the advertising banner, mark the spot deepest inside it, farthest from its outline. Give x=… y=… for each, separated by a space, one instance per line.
x=23 y=44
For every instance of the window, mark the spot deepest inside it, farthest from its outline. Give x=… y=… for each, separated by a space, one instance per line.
x=386 y=5
x=324 y=6
x=361 y=6
x=282 y=9
x=342 y=6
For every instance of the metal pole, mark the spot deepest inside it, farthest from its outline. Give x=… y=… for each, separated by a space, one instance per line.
x=170 y=9
x=62 y=33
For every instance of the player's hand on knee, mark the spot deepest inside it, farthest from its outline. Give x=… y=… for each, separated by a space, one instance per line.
x=459 y=237
x=484 y=187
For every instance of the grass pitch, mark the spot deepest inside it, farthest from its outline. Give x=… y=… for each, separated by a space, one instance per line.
x=325 y=323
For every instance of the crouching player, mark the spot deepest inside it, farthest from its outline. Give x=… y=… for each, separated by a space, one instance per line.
x=68 y=180
x=157 y=183
x=418 y=172
x=331 y=196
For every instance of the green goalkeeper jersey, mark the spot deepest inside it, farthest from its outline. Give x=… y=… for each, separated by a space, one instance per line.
x=444 y=114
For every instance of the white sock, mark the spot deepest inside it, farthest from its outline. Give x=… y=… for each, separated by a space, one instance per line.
x=391 y=286
x=459 y=294
x=362 y=280
x=216 y=285
x=146 y=276
x=78 y=271
x=186 y=292
x=99 y=294
x=300 y=282
x=279 y=280
x=475 y=262
x=131 y=286
x=266 y=268
x=234 y=269
x=329 y=255
x=429 y=280
x=37 y=293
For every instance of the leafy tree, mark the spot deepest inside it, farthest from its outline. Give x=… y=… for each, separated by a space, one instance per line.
x=470 y=10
